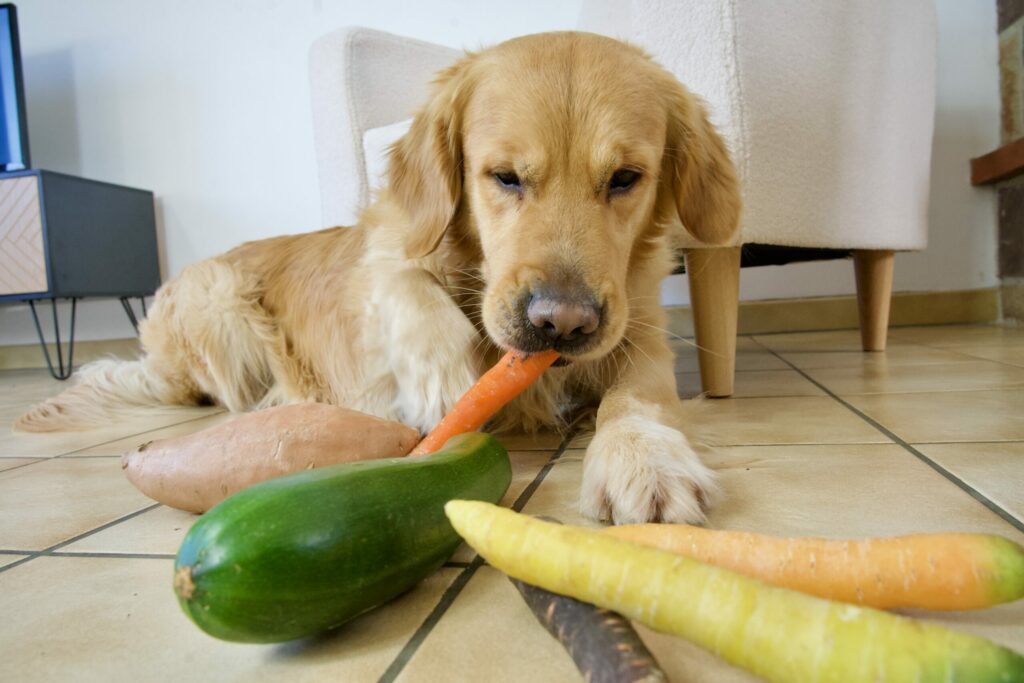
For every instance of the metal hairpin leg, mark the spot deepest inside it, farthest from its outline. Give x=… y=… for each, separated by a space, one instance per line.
x=62 y=372
x=126 y=304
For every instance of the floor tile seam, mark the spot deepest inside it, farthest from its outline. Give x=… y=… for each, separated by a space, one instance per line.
x=453 y=591
x=24 y=464
x=782 y=444
x=966 y=441
x=130 y=436
x=103 y=527
x=1016 y=386
x=113 y=555
x=992 y=506
x=898 y=363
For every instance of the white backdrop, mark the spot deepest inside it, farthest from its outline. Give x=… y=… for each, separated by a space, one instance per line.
x=207 y=104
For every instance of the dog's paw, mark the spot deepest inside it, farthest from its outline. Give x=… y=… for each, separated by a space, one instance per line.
x=637 y=470
x=433 y=374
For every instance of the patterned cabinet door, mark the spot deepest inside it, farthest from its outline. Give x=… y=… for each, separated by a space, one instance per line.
x=22 y=258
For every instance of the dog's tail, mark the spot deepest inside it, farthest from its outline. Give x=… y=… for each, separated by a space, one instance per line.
x=106 y=389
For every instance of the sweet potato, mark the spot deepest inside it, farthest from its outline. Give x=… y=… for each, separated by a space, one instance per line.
x=197 y=471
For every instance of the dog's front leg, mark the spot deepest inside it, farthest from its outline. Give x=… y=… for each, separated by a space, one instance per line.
x=430 y=344
x=640 y=467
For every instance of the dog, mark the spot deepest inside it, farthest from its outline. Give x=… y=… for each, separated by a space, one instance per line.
x=532 y=205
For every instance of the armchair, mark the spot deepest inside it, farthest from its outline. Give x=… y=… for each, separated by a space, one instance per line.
x=828 y=109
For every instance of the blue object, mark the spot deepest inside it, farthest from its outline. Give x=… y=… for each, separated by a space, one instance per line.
x=13 y=126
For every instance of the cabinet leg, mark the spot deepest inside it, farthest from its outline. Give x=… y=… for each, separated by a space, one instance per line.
x=873 y=268
x=126 y=304
x=62 y=372
x=714 y=276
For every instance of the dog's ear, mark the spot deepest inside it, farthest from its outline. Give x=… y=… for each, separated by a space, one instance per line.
x=700 y=174
x=425 y=166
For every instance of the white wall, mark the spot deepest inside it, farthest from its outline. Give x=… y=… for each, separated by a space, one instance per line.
x=207 y=104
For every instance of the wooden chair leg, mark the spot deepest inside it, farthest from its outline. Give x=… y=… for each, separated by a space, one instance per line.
x=714 y=276
x=874 y=268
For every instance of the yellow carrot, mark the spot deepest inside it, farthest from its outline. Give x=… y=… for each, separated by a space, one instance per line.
x=778 y=634
x=927 y=571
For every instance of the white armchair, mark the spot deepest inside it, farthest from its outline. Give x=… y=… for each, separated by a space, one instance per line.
x=828 y=109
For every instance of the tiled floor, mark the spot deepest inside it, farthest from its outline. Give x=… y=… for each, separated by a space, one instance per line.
x=820 y=439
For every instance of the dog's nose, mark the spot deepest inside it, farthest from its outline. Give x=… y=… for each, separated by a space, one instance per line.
x=559 y=319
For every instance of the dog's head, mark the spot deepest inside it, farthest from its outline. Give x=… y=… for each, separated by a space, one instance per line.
x=563 y=158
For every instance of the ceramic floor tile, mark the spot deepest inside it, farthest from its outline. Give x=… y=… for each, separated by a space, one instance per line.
x=841 y=491
x=121 y=446
x=6 y=559
x=541 y=441
x=22 y=388
x=745 y=361
x=948 y=416
x=948 y=336
x=489 y=634
x=1011 y=354
x=558 y=495
x=689 y=344
x=961 y=376
x=785 y=420
x=10 y=463
x=755 y=383
x=52 y=501
x=996 y=470
x=60 y=443
x=895 y=356
x=156 y=532
x=100 y=619
x=833 y=340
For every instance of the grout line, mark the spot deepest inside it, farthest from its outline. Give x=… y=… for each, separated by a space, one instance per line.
x=129 y=436
x=801 y=444
x=45 y=552
x=24 y=464
x=446 y=601
x=967 y=488
x=448 y=598
x=118 y=555
x=22 y=561
x=102 y=527
x=528 y=492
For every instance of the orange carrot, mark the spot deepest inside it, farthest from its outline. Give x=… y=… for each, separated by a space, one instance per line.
x=499 y=385
x=930 y=571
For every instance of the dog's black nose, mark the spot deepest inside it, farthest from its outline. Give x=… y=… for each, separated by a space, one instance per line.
x=562 y=319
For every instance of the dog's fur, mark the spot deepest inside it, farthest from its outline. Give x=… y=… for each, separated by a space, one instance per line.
x=398 y=315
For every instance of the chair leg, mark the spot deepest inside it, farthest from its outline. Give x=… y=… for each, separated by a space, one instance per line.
x=874 y=268
x=714 y=276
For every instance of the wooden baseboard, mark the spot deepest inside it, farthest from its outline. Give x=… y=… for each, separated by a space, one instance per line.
x=756 y=317
x=840 y=312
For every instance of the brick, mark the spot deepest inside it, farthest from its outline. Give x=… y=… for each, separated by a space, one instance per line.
x=1011 y=83
x=1011 y=230
x=1009 y=11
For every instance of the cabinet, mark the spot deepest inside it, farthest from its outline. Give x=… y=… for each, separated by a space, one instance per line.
x=64 y=237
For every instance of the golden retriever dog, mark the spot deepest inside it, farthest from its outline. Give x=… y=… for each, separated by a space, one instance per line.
x=530 y=206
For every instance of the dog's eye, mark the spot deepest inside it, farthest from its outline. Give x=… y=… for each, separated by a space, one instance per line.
x=622 y=180
x=508 y=179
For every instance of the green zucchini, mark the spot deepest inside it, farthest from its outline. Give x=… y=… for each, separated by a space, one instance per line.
x=297 y=555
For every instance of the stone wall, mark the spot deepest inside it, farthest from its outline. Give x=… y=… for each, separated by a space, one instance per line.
x=1011 y=192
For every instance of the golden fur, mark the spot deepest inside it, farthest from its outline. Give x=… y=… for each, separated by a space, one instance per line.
x=398 y=315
